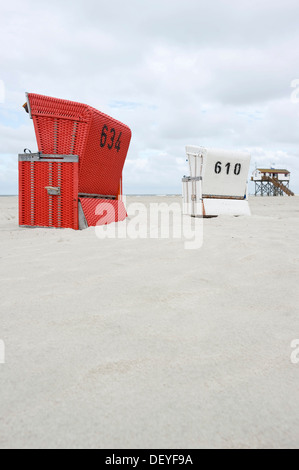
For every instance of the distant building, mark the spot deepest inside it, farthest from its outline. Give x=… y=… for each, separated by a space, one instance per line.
x=271 y=182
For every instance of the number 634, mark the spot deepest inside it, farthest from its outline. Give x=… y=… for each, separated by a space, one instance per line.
x=111 y=139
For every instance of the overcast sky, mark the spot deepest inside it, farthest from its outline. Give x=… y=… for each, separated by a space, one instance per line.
x=210 y=73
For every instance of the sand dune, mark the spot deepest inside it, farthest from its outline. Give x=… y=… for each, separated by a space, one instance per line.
x=121 y=343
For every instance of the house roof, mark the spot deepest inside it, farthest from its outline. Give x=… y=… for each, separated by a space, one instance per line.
x=272 y=170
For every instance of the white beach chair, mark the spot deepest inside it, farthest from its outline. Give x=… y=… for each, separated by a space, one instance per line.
x=218 y=182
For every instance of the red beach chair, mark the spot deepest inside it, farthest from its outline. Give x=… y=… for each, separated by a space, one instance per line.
x=78 y=168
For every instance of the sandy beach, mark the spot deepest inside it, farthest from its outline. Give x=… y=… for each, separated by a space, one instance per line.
x=128 y=344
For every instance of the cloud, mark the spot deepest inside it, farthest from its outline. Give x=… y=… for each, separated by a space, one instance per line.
x=206 y=73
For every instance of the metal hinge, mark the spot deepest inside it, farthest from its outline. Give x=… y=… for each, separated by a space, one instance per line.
x=53 y=191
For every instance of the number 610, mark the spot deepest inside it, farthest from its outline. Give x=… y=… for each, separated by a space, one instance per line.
x=218 y=168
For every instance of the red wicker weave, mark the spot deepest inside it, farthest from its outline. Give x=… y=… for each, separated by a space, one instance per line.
x=39 y=209
x=70 y=128
x=102 y=211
